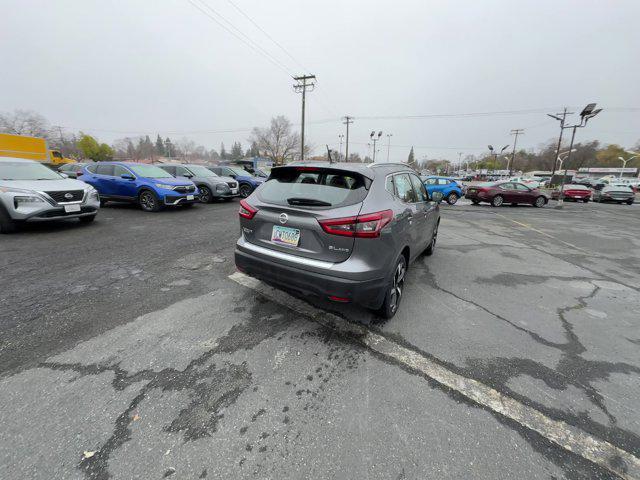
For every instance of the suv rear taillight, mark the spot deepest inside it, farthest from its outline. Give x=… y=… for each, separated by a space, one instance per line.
x=246 y=210
x=362 y=226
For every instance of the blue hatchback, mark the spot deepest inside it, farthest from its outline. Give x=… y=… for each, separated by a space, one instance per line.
x=147 y=185
x=449 y=188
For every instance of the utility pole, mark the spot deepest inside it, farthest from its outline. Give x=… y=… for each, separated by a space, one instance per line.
x=301 y=87
x=459 y=160
x=389 y=135
x=516 y=132
x=341 y=136
x=347 y=121
x=561 y=117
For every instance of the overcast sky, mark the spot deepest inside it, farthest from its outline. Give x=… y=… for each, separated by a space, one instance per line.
x=116 y=68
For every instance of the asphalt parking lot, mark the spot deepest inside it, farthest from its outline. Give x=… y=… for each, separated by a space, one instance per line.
x=130 y=348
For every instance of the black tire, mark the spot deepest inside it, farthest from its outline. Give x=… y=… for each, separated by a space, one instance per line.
x=7 y=225
x=103 y=202
x=87 y=219
x=497 y=201
x=432 y=245
x=452 y=198
x=393 y=294
x=205 y=194
x=245 y=190
x=585 y=200
x=630 y=201
x=540 y=202
x=475 y=202
x=149 y=201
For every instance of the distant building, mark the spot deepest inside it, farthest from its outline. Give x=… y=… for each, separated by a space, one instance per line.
x=598 y=172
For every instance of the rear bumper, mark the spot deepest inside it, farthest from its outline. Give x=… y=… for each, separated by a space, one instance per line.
x=368 y=293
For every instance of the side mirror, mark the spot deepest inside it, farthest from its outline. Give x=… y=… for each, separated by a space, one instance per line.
x=127 y=176
x=436 y=197
x=232 y=175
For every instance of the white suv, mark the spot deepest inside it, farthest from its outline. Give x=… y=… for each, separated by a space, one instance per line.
x=30 y=192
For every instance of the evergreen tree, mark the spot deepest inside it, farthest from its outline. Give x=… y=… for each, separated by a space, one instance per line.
x=223 y=152
x=412 y=158
x=168 y=148
x=159 y=146
x=253 y=150
x=236 y=151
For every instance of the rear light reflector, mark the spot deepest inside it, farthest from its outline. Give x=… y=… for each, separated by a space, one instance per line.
x=246 y=210
x=333 y=298
x=362 y=226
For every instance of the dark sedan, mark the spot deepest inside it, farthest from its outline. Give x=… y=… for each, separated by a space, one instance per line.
x=500 y=193
x=72 y=170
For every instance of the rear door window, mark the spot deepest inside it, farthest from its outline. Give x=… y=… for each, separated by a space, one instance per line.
x=320 y=187
x=105 y=170
x=404 y=188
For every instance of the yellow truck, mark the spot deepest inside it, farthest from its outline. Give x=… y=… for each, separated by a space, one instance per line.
x=31 y=148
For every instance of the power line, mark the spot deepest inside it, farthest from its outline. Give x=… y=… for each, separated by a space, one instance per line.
x=268 y=36
x=250 y=43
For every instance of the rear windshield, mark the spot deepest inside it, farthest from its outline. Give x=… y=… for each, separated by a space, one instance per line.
x=313 y=187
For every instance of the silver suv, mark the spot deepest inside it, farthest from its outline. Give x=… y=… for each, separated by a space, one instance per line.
x=343 y=231
x=212 y=187
x=31 y=192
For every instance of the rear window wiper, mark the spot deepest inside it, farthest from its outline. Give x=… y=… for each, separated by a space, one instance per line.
x=307 y=201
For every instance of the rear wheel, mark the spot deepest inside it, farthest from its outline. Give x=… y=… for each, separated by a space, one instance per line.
x=585 y=200
x=149 y=201
x=245 y=190
x=452 y=198
x=540 y=202
x=394 y=291
x=475 y=202
x=497 y=201
x=432 y=246
x=205 y=194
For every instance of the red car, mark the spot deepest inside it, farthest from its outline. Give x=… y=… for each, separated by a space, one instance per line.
x=579 y=193
x=506 y=192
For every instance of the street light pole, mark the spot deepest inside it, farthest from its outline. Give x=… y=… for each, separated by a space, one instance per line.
x=624 y=163
x=375 y=139
x=588 y=112
x=389 y=135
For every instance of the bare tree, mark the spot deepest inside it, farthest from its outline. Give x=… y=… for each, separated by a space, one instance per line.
x=277 y=142
x=24 y=122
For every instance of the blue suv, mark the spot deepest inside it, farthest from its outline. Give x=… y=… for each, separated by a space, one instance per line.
x=449 y=188
x=247 y=182
x=147 y=185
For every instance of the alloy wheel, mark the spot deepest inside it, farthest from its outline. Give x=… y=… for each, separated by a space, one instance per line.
x=147 y=201
x=396 y=288
x=205 y=195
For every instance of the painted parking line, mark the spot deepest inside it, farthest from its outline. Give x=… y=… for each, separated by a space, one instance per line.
x=568 y=437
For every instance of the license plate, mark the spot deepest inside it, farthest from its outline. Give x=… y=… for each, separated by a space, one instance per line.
x=71 y=208
x=285 y=236
x=234 y=191
x=190 y=197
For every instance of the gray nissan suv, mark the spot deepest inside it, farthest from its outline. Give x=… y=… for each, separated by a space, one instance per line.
x=343 y=231
x=31 y=192
x=212 y=187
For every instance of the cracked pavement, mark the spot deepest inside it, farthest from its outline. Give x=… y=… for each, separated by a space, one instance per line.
x=126 y=352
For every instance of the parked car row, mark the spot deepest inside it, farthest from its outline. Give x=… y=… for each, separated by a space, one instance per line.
x=608 y=192
x=31 y=192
